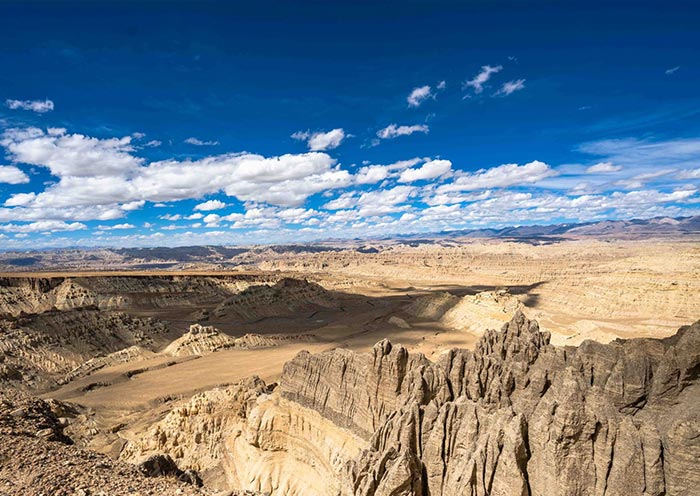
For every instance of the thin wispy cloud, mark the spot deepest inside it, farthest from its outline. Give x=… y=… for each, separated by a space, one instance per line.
x=672 y=70
x=394 y=131
x=639 y=154
x=511 y=87
x=689 y=174
x=38 y=106
x=477 y=83
x=603 y=168
x=642 y=120
x=640 y=180
x=198 y=142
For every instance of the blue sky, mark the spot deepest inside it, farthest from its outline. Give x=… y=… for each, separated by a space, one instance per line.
x=137 y=125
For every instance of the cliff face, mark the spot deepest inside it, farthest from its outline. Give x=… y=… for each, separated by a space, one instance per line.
x=35 y=295
x=40 y=350
x=517 y=416
x=288 y=297
x=241 y=436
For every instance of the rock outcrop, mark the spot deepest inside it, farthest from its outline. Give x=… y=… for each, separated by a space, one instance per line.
x=37 y=458
x=473 y=313
x=130 y=354
x=34 y=295
x=288 y=297
x=247 y=436
x=41 y=350
x=200 y=340
x=517 y=416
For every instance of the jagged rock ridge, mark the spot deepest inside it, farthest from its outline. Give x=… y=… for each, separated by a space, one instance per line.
x=517 y=416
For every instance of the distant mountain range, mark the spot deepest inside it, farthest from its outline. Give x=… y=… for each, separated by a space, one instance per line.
x=657 y=226
x=223 y=257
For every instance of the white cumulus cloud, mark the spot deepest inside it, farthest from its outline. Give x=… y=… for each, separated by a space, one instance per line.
x=384 y=201
x=429 y=170
x=12 y=175
x=325 y=140
x=372 y=174
x=105 y=174
x=71 y=154
x=116 y=227
x=210 y=205
x=502 y=176
x=42 y=226
x=418 y=96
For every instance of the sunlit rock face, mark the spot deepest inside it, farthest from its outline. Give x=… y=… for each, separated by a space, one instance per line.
x=516 y=415
x=520 y=416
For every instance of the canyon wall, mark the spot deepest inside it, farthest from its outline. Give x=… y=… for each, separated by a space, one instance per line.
x=516 y=416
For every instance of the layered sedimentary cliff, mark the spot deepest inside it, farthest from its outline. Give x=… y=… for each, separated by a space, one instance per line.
x=55 y=329
x=288 y=297
x=473 y=313
x=515 y=416
x=247 y=436
x=39 y=294
x=42 y=349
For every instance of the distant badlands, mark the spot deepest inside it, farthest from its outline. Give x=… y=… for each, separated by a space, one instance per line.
x=362 y=365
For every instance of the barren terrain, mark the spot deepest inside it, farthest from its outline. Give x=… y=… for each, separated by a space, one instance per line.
x=160 y=362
